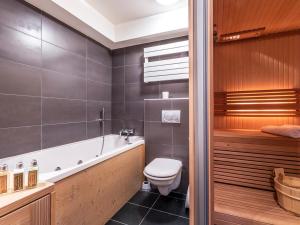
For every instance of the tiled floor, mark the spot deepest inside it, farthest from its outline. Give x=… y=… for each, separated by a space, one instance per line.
x=150 y=208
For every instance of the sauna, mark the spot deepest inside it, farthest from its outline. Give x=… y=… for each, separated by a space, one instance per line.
x=256 y=83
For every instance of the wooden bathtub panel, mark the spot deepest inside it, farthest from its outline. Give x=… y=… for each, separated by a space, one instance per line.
x=93 y=196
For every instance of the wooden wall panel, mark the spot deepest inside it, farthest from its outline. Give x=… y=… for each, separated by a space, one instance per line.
x=270 y=62
x=274 y=16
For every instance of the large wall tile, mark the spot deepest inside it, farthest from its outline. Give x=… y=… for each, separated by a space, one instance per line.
x=118 y=110
x=134 y=74
x=19 y=47
x=19 y=79
x=63 y=111
x=156 y=132
x=118 y=93
x=95 y=130
x=153 y=109
x=99 y=72
x=16 y=111
x=15 y=141
x=98 y=53
x=94 y=108
x=54 y=135
x=154 y=150
x=134 y=110
x=118 y=57
x=98 y=91
x=60 y=60
x=48 y=71
x=62 y=36
x=137 y=125
x=137 y=92
x=20 y=16
x=59 y=85
x=134 y=55
x=118 y=75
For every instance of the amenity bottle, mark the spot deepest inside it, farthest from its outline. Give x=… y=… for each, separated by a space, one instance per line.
x=33 y=174
x=4 y=179
x=18 y=177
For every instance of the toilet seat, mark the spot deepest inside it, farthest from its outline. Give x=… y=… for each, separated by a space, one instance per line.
x=165 y=174
x=162 y=168
x=159 y=178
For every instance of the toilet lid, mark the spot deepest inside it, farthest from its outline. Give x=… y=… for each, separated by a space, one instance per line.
x=161 y=167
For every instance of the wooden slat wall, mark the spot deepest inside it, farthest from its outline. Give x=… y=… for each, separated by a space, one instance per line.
x=247 y=158
x=240 y=15
x=270 y=62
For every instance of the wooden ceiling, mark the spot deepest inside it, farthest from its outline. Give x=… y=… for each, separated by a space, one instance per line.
x=266 y=16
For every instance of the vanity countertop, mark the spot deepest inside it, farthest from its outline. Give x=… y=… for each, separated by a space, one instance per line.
x=12 y=201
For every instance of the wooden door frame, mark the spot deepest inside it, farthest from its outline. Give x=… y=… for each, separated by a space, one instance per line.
x=201 y=111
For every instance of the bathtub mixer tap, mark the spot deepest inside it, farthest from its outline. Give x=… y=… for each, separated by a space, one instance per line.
x=127 y=132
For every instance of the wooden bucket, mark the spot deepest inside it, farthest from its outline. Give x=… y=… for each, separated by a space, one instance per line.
x=288 y=191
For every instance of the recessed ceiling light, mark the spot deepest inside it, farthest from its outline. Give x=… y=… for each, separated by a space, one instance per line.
x=167 y=2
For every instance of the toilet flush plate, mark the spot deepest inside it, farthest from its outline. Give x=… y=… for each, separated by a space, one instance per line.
x=170 y=116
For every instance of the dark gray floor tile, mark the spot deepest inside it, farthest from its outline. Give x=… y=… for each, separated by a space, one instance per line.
x=171 y=205
x=130 y=214
x=111 y=222
x=177 y=195
x=144 y=198
x=160 y=218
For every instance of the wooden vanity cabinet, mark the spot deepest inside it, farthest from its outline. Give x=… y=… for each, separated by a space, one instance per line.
x=28 y=207
x=35 y=213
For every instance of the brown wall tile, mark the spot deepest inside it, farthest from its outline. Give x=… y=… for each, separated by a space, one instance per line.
x=60 y=85
x=21 y=17
x=15 y=141
x=17 y=111
x=62 y=36
x=60 y=60
x=19 y=47
x=47 y=72
x=60 y=134
x=63 y=111
x=19 y=79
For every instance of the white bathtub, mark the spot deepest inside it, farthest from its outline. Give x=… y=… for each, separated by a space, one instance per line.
x=67 y=156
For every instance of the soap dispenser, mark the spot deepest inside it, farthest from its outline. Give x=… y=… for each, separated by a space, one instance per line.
x=33 y=174
x=4 y=178
x=18 y=177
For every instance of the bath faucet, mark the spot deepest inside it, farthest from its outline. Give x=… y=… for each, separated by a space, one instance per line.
x=127 y=132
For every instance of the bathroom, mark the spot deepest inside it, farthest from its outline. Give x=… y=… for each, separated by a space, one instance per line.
x=149 y=112
x=85 y=104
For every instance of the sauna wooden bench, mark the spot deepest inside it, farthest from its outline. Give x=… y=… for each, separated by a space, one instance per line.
x=15 y=207
x=248 y=157
x=241 y=205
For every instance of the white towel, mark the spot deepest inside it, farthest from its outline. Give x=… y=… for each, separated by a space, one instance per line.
x=292 y=131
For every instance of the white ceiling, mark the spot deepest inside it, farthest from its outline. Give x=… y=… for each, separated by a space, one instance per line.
x=121 y=11
x=120 y=23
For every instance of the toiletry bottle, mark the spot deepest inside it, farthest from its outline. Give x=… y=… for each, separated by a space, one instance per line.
x=18 y=177
x=4 y=179
x=33 y=174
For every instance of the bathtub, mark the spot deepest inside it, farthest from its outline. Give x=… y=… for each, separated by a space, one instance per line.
x=74 y=157
x=89 y=188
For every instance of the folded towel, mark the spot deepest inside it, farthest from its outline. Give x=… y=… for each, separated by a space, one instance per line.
x=292 y=131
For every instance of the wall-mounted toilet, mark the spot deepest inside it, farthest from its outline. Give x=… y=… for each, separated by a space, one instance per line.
x=164 y=173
